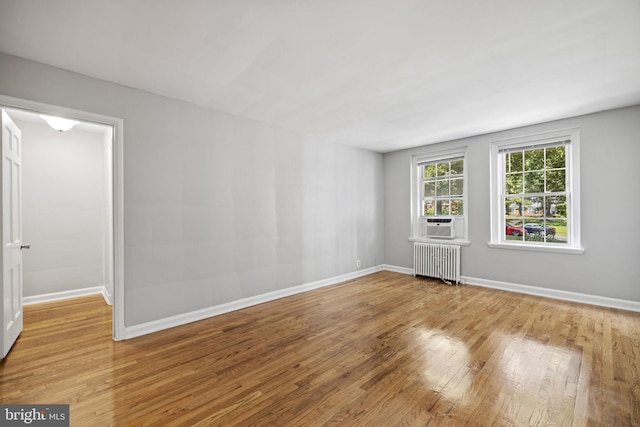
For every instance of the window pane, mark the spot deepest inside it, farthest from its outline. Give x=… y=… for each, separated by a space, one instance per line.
x=457 y=207
x=556 y=206
x=512 y=208
x=534 y=231
x=430 y=171
x=533 y=206
x=443 y=169
x=442 y=207
x=457 y=167
x=429 y=188
x=534 y=160
x=456 y=187
x=534 y=182
x=428 y=207
x=513 y=230
x=442 y=187
x=557 y=231
x=556 y=180
x=513 y=162
x=556 y=157
x=513 y=184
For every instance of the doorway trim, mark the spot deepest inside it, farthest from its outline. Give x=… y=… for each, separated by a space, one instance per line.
x=117 y=124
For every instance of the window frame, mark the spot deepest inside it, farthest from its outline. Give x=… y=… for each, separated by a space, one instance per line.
x=417 y=187
x=572 y=168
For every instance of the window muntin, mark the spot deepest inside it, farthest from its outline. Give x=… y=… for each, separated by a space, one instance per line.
x=443 y=187
x=535 y=194
x=439 y=189
x=535 y=191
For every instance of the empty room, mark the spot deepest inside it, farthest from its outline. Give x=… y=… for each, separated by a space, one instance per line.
x=306 y=213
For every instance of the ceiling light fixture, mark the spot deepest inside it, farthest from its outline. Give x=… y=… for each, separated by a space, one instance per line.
x=58 y=123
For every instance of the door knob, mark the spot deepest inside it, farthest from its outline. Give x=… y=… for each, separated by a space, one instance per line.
x=26 y=246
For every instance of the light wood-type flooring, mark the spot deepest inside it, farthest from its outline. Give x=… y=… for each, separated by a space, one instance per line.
x=383 y=350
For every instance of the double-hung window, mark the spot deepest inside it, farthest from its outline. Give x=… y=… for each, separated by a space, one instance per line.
x=439 y=196
x=535 y=192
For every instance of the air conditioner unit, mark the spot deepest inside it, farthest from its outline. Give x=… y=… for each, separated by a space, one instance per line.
x=441 y=227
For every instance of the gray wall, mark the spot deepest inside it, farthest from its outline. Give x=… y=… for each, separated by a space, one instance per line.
x=610 y=202
x=219 y=207
x=63 y=208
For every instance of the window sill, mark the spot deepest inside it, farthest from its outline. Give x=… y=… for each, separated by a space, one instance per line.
x=459 y=242
x=538 y=248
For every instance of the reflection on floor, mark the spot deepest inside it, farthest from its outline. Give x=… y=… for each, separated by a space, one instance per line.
x=386 y=349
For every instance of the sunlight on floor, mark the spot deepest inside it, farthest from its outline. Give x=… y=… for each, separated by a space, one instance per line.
x=447 y=363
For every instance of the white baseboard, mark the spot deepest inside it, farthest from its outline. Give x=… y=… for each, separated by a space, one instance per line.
x=193 y=316
x=182 y=319
x=555 y=293
x=55 y=296
x=108 y=297
x=533 y=290
x=395 y=268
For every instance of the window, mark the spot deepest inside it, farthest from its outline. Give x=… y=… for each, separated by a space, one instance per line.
x=535 y=192
x=439 y=191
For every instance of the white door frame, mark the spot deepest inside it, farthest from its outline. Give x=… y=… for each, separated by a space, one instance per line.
x=118 y=191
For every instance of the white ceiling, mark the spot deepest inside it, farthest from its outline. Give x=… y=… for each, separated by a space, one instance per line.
x=378 y=74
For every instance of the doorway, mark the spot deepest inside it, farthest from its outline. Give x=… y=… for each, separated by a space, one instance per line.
x=107 y=133
x=66 y=209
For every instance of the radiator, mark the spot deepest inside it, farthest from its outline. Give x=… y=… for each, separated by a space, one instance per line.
x=435 y=260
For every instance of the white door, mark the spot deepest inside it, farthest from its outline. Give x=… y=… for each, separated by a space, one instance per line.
x=11 y=282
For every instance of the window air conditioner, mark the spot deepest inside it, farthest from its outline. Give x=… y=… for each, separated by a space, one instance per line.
x=442 y=228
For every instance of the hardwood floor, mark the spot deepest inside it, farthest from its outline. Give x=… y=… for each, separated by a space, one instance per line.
x=383 y=350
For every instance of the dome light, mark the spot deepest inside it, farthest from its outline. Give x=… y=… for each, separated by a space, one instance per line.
x=58 y=123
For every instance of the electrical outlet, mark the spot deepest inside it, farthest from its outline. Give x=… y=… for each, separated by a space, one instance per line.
x=357 y=263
